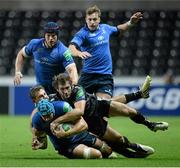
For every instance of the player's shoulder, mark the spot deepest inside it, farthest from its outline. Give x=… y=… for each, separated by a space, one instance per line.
x=104 y=25
x=59 y=43
x=79 y=92
x=59 y=103
x=83 y=31
x=53 y=97
x=35 y=44
x=61 y=107
x=36 y=41
x=77 y=88
x=61 y=47
x=36 y=117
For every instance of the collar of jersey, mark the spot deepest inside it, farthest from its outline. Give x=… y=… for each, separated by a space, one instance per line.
x=92 y=31
x=43 y=44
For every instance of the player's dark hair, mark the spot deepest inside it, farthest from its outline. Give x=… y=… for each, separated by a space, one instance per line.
x=33 y=91
x=93 y=9
x=61 y=79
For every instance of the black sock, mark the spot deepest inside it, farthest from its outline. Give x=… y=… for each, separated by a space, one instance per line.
x=125 y=142
x=122 y=146
x=133 y=96
x=140 y=119
x=121 y=149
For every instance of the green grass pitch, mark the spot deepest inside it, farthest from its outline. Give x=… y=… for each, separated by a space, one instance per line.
x=15 y=146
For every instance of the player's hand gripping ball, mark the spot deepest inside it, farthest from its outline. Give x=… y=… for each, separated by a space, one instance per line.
x=61 y=130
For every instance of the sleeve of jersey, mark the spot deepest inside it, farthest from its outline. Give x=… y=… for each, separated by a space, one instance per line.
x=66 y=107
x=65 y=55
x=28 y=49
x=36 y=122
x=67 y=58
x=112 y=29
x=78 y=39
x=80 y=94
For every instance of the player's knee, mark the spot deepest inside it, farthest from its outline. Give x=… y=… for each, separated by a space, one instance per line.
x=90 y=153
x=132 y=112
x=98 y=154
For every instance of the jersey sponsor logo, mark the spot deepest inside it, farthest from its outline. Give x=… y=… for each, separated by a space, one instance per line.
x=103 y=31
x=100 y=38
x=166 y=99
x=44 y=62
x=44 y=59
x=99 y=43
x=67 y=55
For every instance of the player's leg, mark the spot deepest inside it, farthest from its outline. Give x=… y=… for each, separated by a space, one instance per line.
x=142 y=93
x=99 y=84
x=120 y=109
x=88 y=82
x=103 y=147
x=98 y=126
x=105 y=86
x=123 y=146
x=103 y=95
x=91 y=140
x=83 y=151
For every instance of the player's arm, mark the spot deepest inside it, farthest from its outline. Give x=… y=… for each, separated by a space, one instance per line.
x=133 y=20
x=143 y=92
x=77 y=53
x=39 y=139
x=32 y=114
x=73 y=114
x=18 y=67
x=79 y=126
x=72 y=72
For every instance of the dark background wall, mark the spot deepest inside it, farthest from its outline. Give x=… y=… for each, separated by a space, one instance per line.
x=4 y=99
x=83 y=4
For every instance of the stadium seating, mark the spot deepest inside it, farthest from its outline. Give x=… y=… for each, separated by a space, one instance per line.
x=153 y=46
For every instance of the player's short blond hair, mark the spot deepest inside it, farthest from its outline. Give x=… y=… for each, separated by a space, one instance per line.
x=93 y=9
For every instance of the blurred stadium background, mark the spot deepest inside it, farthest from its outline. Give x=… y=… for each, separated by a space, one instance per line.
x=152 y=47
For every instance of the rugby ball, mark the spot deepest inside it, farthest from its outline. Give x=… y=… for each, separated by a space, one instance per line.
x=65 y=126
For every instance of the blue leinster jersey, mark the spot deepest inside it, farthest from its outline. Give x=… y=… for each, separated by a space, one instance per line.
x=48 y=61
x=61 y=108
x=97 y=44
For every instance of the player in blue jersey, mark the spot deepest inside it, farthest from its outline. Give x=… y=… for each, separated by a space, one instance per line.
x=51 y=57
x=77 y=142
x=91 y=43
